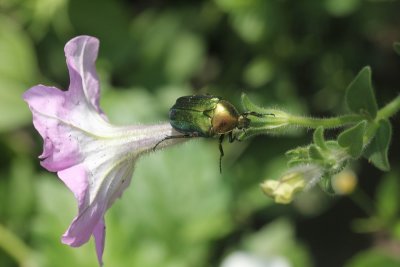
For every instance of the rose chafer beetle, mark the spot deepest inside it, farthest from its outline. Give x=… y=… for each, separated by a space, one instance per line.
x=207 y=116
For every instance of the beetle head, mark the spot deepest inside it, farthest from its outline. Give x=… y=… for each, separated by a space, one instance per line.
x=243 y=122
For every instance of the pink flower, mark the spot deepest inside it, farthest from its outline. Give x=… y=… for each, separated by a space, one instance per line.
x=94 y=158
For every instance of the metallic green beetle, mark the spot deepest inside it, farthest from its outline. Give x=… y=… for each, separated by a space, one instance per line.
x=207 y=116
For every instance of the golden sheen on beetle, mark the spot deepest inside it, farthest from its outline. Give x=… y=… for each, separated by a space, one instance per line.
x=226 y=118
x=207 y=116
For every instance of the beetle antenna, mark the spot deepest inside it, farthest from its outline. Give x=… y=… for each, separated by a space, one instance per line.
x=221 y=150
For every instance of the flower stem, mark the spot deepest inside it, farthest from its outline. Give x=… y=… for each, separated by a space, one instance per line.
x=14 y=246
x=384 y=113
x=280 y=120
x=390 y=109
x=325 y=122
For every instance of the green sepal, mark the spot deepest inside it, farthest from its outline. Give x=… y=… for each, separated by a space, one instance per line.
x=377 y=151
x=272 y=113
x=298 y=151
x=295 y=162
x=318 y=138
x=250 y=106
x=243 y=135
x=352 y=139
x=360 y=97
x=326 y=185
x=299 y=155
x=396 y=47
x=315 y=153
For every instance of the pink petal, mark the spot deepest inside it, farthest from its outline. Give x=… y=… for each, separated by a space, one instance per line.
x=55 y=111
x=99 y=234
x=81 y=54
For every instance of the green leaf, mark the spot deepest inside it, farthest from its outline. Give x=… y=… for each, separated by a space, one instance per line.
x=360 y=97
x=396 y=47
x=352 y=139
x=318 y=138
x=377 y=151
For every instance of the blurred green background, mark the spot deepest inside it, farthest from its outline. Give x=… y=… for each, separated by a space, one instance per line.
x=297 y=55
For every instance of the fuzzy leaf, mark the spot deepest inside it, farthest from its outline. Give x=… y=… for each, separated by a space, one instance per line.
x=377 y=150
x=352 y=139
x=360 y=97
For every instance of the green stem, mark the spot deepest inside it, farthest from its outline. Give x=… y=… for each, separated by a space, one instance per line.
x=14 y=246
x=390 y=109
x=325 y=122
x=384 y=113
x=281 y=120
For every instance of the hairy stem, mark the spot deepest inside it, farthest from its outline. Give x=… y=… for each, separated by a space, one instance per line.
x=325 y=122
x=384 y=113
x=390 y=109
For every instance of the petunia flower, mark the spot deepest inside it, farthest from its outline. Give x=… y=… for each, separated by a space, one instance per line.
x=94 y=158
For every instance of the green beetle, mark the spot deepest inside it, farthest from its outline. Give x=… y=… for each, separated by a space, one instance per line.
x=207 y=116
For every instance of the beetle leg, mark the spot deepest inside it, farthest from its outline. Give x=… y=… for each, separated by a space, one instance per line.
x=231 y=137
x=174 y=137
x=221 y=150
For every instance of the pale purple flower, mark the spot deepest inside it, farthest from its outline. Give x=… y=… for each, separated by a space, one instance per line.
x=94 y=158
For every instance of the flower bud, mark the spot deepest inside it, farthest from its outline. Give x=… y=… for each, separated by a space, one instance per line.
x=344 y=182
x=297 y=179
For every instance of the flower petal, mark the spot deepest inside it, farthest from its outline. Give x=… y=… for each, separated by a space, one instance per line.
x=54 y=111
x=99 y=234
x=81 y=54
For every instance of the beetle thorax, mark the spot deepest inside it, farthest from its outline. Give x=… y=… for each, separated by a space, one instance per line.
x=225 y=118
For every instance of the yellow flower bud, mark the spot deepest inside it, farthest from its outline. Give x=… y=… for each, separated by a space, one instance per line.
x=344 y=182
x=295 y=180
x=284 y=190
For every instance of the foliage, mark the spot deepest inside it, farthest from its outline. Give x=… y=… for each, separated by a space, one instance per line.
x=294 y=57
